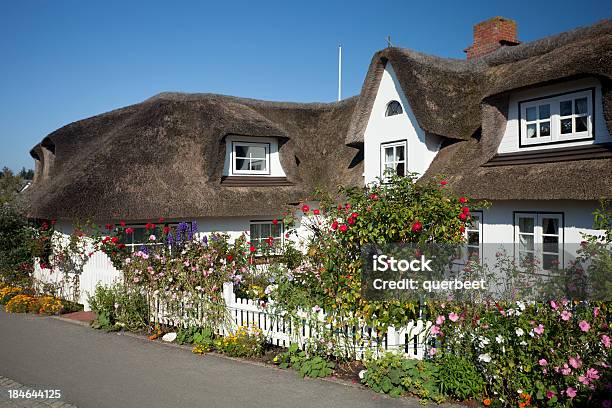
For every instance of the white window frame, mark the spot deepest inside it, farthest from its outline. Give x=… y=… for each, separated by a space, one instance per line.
x=478 y=230
x=393 y=145
x=234 y=157
x=393 y=114
x=279 y=241
x=555 y=118
x=538 y=236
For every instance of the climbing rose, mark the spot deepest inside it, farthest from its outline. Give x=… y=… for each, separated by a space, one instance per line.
x=114 y=240
x=122 y=223
x=334 y=225
x=462 y=200
x=373 y=197
x=417 y=226
x=230 y=258
x=305 y=208
x=109 y=226
x=316 y=212
x=343 y=228
x=166 y=230
x=129 y=230
x=465 y=210
x=584 y=326
x=252 y=248
x=462 y=216
x=275 y=221
x=443 y=183
x=161 y=220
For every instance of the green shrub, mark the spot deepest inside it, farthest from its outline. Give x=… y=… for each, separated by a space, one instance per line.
x=459 y=378
x=395 y=375
x=314 y=366
x=118 y=306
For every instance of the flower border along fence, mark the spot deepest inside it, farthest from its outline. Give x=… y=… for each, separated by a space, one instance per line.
x=280 y=330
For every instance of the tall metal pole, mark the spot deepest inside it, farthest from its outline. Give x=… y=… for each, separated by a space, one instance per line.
x=340 y=72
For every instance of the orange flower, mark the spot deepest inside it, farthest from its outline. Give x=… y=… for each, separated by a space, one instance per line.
x=487 y=401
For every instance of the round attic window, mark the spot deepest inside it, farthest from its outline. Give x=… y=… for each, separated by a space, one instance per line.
x=393 y=108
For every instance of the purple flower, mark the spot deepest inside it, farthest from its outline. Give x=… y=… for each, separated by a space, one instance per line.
x=194 y=226
x=205 y=239
x=170 y=239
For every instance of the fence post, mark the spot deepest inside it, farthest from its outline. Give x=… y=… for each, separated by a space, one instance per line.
x=228 y=294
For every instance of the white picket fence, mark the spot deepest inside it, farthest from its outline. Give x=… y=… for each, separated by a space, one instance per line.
x=282 y=331
x=278 y=329
x=77 y=287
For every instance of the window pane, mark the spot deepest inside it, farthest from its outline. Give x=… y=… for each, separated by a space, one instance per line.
x=544 y=129
x=565 y=108
x=526 y=225
x=550 y=226
x=473 y=238
x=531 y=131
x=475 y=222
x=526 y=258
x=551 y=244
x=276 y=231
x=525 y=242
x=242 y=164
x=544 y=111
x=399 y=153
x=566 y=126
x=531 y=114
x=139 y=236
x=393 y=108
x=255 y=232
x=258 y=165
x=581 y=124
x=400 y=169
x=388 y=154
x=580 y=106
x=473 y=253
x=265 y=230
x=550 y=261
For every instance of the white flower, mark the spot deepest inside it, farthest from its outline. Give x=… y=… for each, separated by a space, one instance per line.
x=523 y=343
x=485 y=357
x=483 y=341
x=520 y=305
x=519 y=332
x=499 y=339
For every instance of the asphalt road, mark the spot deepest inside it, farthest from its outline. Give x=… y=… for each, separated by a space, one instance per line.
x=97 y=369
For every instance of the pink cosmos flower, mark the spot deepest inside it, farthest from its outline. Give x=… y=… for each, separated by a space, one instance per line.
x=539 y=329
x=432 y=351
x=542 y=362
x=565 y=315
x=566 y=370
x=592 y=374
x=554 y=305
x=605 y=340
x=571 y=392
x=440 y=319
x=584 y=326
x=575 y=362
x=435 y=330
x=453 y=316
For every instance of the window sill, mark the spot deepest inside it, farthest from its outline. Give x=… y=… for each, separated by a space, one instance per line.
x=552 y=155
x=254 y=181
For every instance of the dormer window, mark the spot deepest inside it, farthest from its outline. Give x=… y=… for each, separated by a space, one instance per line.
x=559 y=118
x=394 y=108
x=250 y=158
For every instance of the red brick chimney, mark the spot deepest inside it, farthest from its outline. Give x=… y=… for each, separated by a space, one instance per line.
x=491 y=34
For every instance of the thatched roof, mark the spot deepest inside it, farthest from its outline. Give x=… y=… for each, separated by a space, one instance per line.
x=467 y=102
x=165 y=156
x=445 y=94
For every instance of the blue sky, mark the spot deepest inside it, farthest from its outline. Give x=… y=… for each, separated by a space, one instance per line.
x=62 y=61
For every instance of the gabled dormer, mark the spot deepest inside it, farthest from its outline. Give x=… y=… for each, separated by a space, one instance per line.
x=393 y=139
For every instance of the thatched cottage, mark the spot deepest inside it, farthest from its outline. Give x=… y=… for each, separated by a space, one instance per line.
x=523 y=125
